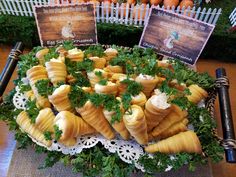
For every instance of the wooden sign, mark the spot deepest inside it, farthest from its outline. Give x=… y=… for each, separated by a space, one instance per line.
x=175 y=35
x=57 y=24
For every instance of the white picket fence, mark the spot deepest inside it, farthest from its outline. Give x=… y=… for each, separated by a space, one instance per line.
x=110 y=12
x=232 y=17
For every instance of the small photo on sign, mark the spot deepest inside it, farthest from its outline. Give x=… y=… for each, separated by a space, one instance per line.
x=175 y=35
x=57 y=24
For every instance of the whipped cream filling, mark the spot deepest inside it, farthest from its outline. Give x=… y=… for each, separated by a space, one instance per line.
x=74 y=51
x=56 y=60
x=160 y=101
x=145 y=77
x=59 y=89
x=136 y=97
x=111 y=50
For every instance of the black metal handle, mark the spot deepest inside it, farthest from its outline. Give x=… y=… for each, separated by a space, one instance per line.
x=228 y=142
x=10 y=66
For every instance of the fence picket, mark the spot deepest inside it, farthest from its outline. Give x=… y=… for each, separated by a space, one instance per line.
x=198 y=12
x=102 y=9
x=141 y=14
x=212 y=16
x=136 y=17
x=177 y=10
x=14 y=7
x=126 y=14
x=121 y=13
x=217 y=16
x=202 y=14
x=192 y=12
x=10 y=7
x=29 y=8
x=112 y=13
x=146 y=14
x=131 y=14
x=20 y=8
x=207 y=15
x=98 y=12
x=6 y=7
x=2 y=8
x=117 y=12
x=107 y=12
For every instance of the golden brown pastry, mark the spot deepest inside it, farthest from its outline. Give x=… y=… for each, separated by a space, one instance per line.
x=180 y=126
x=56 y=71
x=98 y=62
x=40 y=55
x=139 y=99
x=44 y=120
x=197 y=93
x=176 y=114
x=60 y=98
x=25 y=124
x=136 y=124
x=182 y=142
x=72 y=126
x=94 y=78
x=35 y=74
x=148 y=82
x=110 y=53
x=113 y=69
x=94 y=117
x=118 y=126
x=109 y=88
x=75 y=55
x=156 y=108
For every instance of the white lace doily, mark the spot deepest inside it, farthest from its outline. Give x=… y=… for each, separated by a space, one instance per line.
x=128 y=151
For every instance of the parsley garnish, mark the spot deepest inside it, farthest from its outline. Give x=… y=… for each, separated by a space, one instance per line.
x=77 y=96
x=23 y=87
x=133 y=87
x=94 y=51
x=57 y=133
x=44 y=87
x=32 y=110
x=47 y=135
x=68 y=45
x=103 y=82
x=51 y=54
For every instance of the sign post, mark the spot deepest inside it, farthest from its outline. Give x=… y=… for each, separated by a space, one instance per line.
x=57 y=24
x=175 y=35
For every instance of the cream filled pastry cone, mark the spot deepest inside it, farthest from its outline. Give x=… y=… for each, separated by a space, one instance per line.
x=25 y=124
x=98 y=62
x=139 y=99
x=197 y=93
x=110 y=53
x=182 y=142
x=109 y=88
x=122 y=86
x=60 y=99
x=35 y=74
x=176 y=114
x=135 y=122
x=94 y=117
x=56 y=71
x=75 y=55
x=118 y=126
x=72 y=126
x=156 y=108
x=148 y=82
x=93 y=78
x=44 y=120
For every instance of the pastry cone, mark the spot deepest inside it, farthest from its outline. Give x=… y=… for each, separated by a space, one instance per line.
x=71 y=125
x=25 y=124
x=122 y=86
x=163 y=63
x=118 y=126
x=35 y=74
x=93 y=78
x=156 y=108
x=197 y=93
x=117 y=76
x=69 y=142
x=148 y=82
x=113 y=69
x=110 y=53
x=44 y=120
x=110 y=88
x=75 y=55
x=94 y=117
x=139 y=99
x=88 y=89
x=40 y=55
x=182 y=142
x=176 y=115
x=174 y=129
x=60 y=99
x=56 y=71
x=98 y=62
x=29 y=95
x=136 y=124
